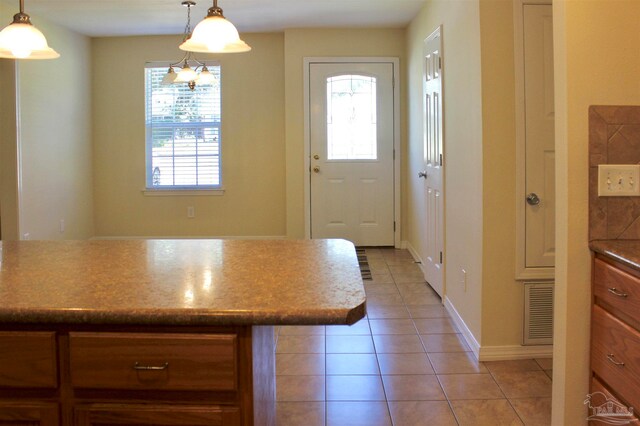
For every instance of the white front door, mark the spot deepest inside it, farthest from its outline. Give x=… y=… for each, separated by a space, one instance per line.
x=539 y=137
x=351 y=124
x=433 y=244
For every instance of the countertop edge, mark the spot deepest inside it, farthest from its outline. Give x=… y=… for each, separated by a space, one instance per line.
x=626 y=252
x=168 y=317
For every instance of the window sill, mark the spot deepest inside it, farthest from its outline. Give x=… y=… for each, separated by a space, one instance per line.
x=182 y=192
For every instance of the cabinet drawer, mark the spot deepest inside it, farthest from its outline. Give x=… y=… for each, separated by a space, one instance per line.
x=113 y=414
x=199 y=362
x=612 y=343
x=618 y=288
x=597 y=400
x=28 y=360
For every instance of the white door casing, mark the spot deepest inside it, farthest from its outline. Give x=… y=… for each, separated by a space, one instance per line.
x=351 y=131
x=536 y=143
x=433 y=173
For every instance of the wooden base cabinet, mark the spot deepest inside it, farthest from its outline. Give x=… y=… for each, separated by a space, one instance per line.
x=29 y=414
x=111 y=415
x=126 y=375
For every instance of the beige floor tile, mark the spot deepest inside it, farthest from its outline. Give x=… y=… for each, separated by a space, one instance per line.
x=406 y=269
x=392 y=326
x=381 y=279
x=428 y=311
x=512 y=366
x=354 y=388
x=378 y=266
x=379 y=312
x=421 y=299
x=411 y=363
x=371 y=289
x=435 y=325
x=384 y=300
x=361 y=328
x=421 y=413
x=373 y=253
x=300 y=414
x=352 y=364
x=533 y=411
x=300 y=388
x=412 y=388
x=456 y=363
x=300 y=344
x=444 y=343
x=545 y=363
x=470 y=386
x=407 y=278
x=415 y=288
x=493 y=412
x=524 y=384
x=397 y=343
x=301 y=330
x=358 y=414
x=349 y=345
x=300 y=364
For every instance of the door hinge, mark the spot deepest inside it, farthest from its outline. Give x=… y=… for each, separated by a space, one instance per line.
x=394 y=154
x=441 y=258
x=394 y=226
x=439 y=62
x=440 y=159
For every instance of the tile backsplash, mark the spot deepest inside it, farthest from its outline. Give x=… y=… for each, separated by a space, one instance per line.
x=614 y=138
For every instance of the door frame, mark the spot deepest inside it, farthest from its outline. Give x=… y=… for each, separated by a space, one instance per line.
x=307 y=61
x=521 y=271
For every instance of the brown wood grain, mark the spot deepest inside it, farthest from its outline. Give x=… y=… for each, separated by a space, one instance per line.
x=610 y=336
x=28 y=360
x=158 y=415
x=607 y=276
x=28 y=414
x=195 y=361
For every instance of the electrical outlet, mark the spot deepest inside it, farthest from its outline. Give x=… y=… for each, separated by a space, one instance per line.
x=26 y=236
x=191 y=212
x=616 y=180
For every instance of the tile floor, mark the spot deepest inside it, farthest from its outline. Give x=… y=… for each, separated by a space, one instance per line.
x=403 y=364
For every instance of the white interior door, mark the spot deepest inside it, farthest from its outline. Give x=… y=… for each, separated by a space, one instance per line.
x=433 y=244
x=539 y=137
x=351 y=119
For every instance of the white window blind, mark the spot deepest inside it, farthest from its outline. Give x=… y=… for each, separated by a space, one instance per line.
x=182 y=133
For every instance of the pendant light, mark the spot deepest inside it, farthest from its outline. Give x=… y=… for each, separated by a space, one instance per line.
x=215 y=34
x=21 y=40
x=185 y=73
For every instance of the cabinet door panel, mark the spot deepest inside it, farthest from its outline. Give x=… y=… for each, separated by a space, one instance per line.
x=116 y=415
x=28 y=414
x=28 y=359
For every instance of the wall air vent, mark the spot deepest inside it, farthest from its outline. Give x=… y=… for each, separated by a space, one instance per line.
x=538 y=313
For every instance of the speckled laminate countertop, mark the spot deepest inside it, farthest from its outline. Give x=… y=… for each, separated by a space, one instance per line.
x=624 y=251
x=180 y=282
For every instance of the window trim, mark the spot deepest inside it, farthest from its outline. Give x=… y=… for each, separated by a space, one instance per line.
x=149 y=189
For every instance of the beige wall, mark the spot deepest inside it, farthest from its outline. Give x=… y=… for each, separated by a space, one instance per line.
x=502 y=296
x=253 y=160
x=597 y=63
x=54 y=138
x=463 y=148
x=301 y=43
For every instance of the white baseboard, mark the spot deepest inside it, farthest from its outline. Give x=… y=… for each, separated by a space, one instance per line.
x=466 y=333
x=198 y=237
x=495 y=353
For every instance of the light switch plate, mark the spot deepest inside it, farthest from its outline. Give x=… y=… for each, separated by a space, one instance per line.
x=618 y=180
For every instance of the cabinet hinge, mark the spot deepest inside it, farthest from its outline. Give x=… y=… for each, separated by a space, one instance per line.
x=441 y=258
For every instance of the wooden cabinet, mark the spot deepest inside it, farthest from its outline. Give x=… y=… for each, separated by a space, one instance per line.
x=615 y=332
x=99 y=376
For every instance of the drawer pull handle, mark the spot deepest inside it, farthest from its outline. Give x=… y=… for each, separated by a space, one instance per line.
x=617 y=292
x=137 y=366
x=612 y=358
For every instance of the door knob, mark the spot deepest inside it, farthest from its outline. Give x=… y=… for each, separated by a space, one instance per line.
x=316 y=169
x=533 y=199
x=422 y=174
x=316 y=157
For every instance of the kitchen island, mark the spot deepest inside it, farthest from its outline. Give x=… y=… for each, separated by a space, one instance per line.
x=162 y=332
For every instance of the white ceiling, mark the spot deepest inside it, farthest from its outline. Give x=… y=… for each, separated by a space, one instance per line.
x=148 y=17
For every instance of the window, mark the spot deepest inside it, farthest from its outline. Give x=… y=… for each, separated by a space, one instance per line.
x=182 y=133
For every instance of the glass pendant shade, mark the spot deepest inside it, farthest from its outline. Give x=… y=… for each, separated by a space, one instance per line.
x=205 y=77
x=24 y=41
x=169 y=77
x=215 y=34
x=186 y=74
